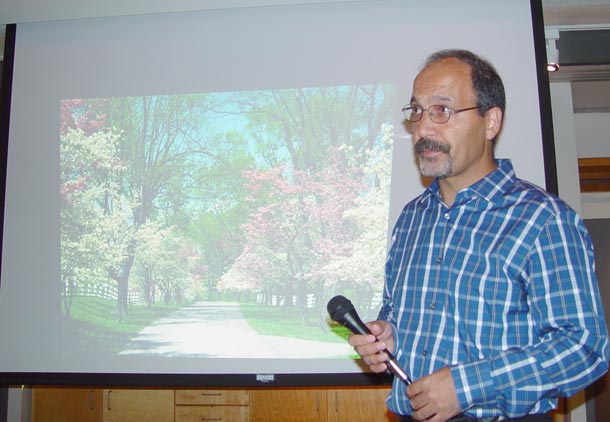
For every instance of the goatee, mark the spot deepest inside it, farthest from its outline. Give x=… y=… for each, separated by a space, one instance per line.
x=435 y=167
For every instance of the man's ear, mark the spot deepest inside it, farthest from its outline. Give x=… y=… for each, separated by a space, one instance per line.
x=494 y=123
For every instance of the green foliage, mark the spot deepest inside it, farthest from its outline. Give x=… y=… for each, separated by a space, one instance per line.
x=287 y=322
x=95 y=321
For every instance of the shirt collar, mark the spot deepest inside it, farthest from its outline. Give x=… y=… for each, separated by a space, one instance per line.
x=492 y=187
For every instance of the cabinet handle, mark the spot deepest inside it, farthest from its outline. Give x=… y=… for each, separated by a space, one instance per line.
x=108 y=400
x=91 y=400
x=317 y=402
x=212 y=394
x=211 y=419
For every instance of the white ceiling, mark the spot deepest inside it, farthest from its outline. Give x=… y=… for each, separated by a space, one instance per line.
x=576 y=12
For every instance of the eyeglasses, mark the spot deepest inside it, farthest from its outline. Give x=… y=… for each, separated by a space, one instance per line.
x=437 y=113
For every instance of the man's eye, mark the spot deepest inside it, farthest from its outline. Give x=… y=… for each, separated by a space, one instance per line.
x=416 y=110
x=443 y=109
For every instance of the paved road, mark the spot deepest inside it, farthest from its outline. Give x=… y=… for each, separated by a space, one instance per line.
x=219 y=329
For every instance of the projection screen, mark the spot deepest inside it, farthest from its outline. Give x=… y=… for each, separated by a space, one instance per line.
x=186 y=191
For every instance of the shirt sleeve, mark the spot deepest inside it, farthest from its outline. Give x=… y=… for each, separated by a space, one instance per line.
x=570 y=350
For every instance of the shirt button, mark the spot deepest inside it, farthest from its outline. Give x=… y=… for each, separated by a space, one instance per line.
x=447 y=216
x=432 y=305
x=424 y=353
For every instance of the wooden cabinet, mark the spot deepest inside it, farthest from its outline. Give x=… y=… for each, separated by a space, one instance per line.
x=212 y=413
x=320 y=405
x=62 y=404
x=147 y=405
x=357 y=404
x=264 y=404
x=288 y=405
x=222 y=405
x=50 y=404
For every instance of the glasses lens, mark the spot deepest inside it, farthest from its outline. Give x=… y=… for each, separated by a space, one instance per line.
x=439 y=113
x=412 y=113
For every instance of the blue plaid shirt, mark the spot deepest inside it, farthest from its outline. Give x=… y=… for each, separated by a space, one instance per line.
x=501 y=288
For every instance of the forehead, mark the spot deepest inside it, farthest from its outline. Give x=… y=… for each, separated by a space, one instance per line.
x=445 y=80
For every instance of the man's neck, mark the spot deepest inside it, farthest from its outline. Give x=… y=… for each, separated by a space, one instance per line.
x=450 y=186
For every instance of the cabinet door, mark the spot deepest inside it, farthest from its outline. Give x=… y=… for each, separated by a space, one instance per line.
x=212 y=414
x=50 y=404
x=288 y=405
x=212 y=397
x=358 y=404
x=129 y=405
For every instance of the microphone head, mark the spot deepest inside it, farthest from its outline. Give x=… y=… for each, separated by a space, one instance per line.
x=338 y=307
x=342 y=311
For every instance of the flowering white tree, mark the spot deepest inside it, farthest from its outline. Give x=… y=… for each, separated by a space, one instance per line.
x=364 y=262
x=90 y=243
x=319 y=229
x=165 y=264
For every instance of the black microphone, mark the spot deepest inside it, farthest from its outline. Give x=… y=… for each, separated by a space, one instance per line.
x=341 y=310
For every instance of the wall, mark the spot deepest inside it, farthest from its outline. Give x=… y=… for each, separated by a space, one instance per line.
x=591 y=102
x=592 y=136
x=581 y=125
x=565 y=145
x=581 y=120
x=600 y=230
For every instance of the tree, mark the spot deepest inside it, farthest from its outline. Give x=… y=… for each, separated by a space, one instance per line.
x=251 y=187
x=89 y=173
x=219 y=209
x=160 y=138
x=315 y=142
x=165 y=264
x=292 y=226
x=360 y=261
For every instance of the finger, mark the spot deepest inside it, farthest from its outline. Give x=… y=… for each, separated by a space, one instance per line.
x=425 y=413
x=414 y=389
x=376 y=329
x=440 y=417
x=356 y=340
x=416 y=404
x=376 y=361
x=370 y=354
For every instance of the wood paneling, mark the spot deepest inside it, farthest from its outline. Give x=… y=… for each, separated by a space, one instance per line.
x=594 y=174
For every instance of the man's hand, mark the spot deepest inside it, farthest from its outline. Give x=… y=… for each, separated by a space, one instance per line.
x=369 y=346
x=433 y=397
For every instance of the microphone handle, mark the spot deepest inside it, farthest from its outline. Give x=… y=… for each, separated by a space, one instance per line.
x=395 y=368
x=355 y=324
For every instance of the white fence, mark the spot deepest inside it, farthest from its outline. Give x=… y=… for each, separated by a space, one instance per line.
x=105 y=291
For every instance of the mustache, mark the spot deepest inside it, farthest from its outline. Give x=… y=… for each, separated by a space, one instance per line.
x=427 y=144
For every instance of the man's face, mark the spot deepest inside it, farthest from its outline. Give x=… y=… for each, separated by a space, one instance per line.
x=461 y=148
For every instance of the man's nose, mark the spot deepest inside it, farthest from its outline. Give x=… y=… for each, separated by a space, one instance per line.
x=425 y=126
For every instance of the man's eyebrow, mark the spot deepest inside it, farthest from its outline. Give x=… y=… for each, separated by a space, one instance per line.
x=435 y=98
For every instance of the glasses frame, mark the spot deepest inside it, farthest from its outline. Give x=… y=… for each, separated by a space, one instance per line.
x=452 y=111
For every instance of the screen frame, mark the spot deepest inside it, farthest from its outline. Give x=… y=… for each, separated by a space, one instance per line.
x=246 y=380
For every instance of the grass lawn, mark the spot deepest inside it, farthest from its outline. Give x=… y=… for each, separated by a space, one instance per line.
x=94 y=324
x=280 y=321
x=98 y=328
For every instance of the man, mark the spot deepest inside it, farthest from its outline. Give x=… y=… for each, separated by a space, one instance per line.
x=490 y=303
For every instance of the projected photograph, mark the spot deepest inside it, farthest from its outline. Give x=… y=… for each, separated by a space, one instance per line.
x=220 y=224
